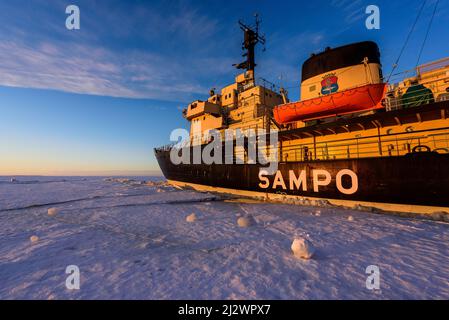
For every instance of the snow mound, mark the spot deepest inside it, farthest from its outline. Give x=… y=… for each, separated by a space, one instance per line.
x=245 y=222
x=318 y=213
x=156 y=183
x=302 y=248
x=53 y=211
x=322 y=203
x=359 y=207
x=440 y=216
x=191 y=218
x=119 y=180
x=303 y=202
x=126 y=181
x=350 y=218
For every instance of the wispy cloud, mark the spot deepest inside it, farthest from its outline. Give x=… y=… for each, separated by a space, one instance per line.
x=353 y=10
x=92 y=70
x=85 y=65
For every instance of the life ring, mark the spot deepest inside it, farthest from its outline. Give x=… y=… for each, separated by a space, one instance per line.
x=419 y=148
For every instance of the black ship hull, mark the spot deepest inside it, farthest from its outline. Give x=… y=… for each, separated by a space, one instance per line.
x=414 y=179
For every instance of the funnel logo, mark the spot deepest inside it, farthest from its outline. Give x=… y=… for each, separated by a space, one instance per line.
x=329 y=84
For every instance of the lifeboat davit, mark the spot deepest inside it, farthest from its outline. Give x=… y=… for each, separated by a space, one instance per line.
x=364 y=98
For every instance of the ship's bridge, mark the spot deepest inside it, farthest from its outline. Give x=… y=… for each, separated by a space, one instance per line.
x=201 y=108
x=243 y=104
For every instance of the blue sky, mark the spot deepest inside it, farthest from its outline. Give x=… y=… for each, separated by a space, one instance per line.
x=97 y=100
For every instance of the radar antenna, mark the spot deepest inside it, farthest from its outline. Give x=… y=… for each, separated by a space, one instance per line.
x=251 y=39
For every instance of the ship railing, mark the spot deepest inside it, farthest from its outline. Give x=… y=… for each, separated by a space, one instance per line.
x=397 y=144
x=268 y=85
x=432 y=66
x=373 y=146
x=424 y=68
x=436 y=85
x=423 y=93
x=420 y=70
x=165 y=148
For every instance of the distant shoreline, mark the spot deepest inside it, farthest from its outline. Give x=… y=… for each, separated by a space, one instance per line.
x=85 y=175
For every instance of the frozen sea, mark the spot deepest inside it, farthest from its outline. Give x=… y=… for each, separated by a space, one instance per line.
x=130 y=240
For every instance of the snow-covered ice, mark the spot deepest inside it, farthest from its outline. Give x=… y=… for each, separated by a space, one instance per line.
x=130 y=240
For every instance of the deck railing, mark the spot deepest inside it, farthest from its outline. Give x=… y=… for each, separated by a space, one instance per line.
x=433 y=140
x=405 y=91
x=373 y=146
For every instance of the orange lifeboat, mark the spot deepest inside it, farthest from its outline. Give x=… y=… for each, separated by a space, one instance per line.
x=365 y=98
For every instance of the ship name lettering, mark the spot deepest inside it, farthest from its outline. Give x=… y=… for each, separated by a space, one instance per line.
x=320 y=178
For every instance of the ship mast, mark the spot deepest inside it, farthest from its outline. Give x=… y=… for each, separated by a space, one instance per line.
x=251 y=39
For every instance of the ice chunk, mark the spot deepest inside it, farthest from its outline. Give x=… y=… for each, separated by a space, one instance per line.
x=302 y=248
x=53 y=211
x=245 y=222
x=191 y=218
